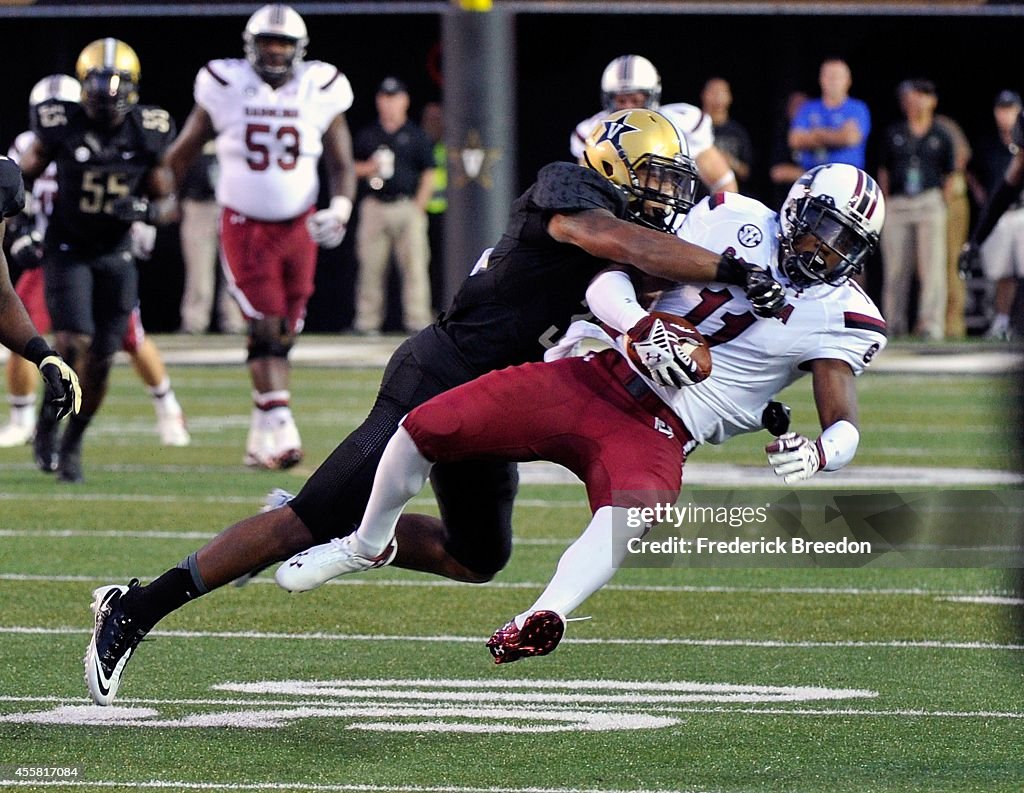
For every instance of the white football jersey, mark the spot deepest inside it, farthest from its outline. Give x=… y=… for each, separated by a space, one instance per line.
x=754 y=359
x=691 y=121
x=270 y=141
x=44 y=188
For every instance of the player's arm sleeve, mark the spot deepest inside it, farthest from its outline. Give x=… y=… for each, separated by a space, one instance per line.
x=335 y=90
x=565 y=187
x=208 y=90
x=861 y=340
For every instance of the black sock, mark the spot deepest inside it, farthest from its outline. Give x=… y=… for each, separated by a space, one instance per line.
x=72 y=437
x=149 y=604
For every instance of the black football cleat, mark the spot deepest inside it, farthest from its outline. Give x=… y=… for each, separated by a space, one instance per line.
x=114 y=639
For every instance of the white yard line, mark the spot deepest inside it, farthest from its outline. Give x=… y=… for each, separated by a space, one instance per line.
x=448 y=639
x=266 y=580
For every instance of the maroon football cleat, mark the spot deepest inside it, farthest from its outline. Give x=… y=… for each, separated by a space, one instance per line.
x=539 y=635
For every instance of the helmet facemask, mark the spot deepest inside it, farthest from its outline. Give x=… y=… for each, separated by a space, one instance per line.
x=839 y=246
x=661 y=190
x=108 y=95
x=269 y=65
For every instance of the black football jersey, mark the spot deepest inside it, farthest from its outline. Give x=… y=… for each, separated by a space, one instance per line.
x=96 y=166
x=532 y=287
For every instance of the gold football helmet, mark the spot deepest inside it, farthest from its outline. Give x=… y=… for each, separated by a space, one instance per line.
x=643 y=154
x=109 y=72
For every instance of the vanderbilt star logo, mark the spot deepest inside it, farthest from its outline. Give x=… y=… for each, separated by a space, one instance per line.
x=615 y=129
x=473 y=162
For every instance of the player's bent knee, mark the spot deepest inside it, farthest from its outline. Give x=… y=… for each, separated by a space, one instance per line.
x=269 y=339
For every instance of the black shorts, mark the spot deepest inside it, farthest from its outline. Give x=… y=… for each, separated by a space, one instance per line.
x=92 y=295
x=475 y=498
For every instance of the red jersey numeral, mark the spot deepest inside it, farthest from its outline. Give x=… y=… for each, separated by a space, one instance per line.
x=732 y=324
x=259 y=158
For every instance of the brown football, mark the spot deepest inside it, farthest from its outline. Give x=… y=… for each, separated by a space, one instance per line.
x=685 y=339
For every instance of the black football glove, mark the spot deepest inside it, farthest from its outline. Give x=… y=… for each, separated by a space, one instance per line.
x=130 y=208
x=969 y=260
x=775 y=418
x=27 y=251
x=12 y=188
x=766 y=295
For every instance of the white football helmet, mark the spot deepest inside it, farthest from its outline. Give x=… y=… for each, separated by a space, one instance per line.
x=275 y=21
x=630 y=74
x=62 y=87
x=842 y=209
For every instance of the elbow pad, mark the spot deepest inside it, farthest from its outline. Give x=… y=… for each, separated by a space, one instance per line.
x=612 y=298
x=837 y=445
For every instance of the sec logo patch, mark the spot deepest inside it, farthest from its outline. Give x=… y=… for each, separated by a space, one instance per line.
x=749 y=235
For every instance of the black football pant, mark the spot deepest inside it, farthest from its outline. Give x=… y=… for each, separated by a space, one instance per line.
x=475 y=497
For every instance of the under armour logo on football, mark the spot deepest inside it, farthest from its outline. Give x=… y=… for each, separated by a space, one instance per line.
x=663 y=428
x=615 y=129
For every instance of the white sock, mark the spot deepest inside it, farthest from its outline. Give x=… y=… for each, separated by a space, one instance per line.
x=23 y=409
x=165 y=403
x=272 y=409
x=402 y=473
x=586 y=566
x=1000 y=323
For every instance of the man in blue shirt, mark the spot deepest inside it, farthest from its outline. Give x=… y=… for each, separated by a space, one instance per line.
x=834 y=128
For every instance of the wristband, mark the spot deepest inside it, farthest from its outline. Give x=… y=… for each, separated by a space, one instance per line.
x=36 y=350
x=341 y=205
x=731 y=270
x=728 y=176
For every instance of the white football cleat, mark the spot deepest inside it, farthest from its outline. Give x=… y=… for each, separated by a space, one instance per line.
x=172 y=430
x=259 y=449
x=310 y=568
x=287 y=445
x=16 y=435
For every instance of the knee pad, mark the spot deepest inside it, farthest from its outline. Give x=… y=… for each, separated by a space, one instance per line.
x=268 y=339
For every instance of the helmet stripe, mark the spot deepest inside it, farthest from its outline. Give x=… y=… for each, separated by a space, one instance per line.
x=110 y=52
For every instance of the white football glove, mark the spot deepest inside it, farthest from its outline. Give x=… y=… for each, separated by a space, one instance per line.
x=666 y=362
x=794 y=457
x=327 y=227
x=143 y=240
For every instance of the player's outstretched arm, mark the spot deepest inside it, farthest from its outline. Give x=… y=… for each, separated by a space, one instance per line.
x=795 y=457
x=601 y=234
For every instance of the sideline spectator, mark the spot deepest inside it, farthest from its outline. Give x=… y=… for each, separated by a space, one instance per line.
x=432 y=121
x=731 y=137
x=958 y=224
x=785 y=168
x=395 y=165
x=917 y=161
x=835 y=127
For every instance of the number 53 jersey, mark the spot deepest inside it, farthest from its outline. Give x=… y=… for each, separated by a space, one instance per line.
x=95 y=167
x=754 y=359
x=270 y=141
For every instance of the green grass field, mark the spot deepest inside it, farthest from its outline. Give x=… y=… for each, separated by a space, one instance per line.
x=718 y=680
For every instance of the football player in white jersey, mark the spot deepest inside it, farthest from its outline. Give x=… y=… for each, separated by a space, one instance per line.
x=631 y=81
x=273 y=115
x=627 y=437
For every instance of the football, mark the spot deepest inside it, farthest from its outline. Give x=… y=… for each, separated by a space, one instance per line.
x=673 y=338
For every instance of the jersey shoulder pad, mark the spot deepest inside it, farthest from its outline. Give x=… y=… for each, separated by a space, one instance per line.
x=21 y=144
x=51 y=120
x=330 y=85
x=216 y=79
x=155 y=125
x=567 y=187
x=12 y=188
x=578 y=139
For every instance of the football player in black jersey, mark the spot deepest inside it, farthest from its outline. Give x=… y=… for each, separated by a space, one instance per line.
x=1003 y=197
x=17 y=333
x=519 y=299
x=106 y=149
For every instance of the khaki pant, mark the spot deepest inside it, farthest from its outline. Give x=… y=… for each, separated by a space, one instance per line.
x=200 y=250
x=958 y=223
x=914 y=240
x=399 y=226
